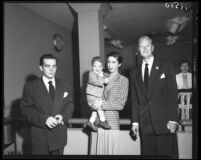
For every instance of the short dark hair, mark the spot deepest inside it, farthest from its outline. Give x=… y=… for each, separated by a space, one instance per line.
x=116 y=55
x=98 y=58
x=184 y=61
x=47 y=56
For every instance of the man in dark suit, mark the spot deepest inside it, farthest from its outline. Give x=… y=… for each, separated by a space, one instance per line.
x=47 y=104
x=154 y=103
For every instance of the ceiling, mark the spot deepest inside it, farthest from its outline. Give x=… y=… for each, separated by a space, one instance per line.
x=126 y=21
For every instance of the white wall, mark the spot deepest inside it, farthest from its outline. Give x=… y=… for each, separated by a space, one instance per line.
x=27 y=36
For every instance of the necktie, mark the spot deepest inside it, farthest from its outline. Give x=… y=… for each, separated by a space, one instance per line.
x=185 y=81
x=51 y=90
x=146 y=75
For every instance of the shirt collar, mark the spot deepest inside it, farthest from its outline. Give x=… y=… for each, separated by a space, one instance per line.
x=150 y=62
x=46 y=80
x=184 y=73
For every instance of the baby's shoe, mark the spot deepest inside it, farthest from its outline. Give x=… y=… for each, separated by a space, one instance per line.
x=104 y=124
x=92 y=126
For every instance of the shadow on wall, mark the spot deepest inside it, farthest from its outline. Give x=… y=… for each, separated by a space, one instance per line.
x=126 y=112
x=85 y=109
x=76 y=65
x=125 y=70
x=19 y=124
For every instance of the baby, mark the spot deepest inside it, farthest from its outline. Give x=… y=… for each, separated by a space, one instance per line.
x=94 y=91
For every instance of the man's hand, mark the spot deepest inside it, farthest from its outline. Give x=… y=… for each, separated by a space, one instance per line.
x=172 y=126
x=135 y=129
x=51 y=122
x=59 y=119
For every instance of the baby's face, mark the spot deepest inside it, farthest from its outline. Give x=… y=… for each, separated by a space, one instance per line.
x=97 y=67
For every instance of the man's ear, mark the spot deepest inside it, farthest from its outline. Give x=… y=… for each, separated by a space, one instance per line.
x=41 y=68
x=152 y=48
x=119 y=65
x=138 y=50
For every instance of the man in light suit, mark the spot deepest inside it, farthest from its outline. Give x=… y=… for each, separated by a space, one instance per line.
x=184 y=78
x=47 y=104
x=154 y=103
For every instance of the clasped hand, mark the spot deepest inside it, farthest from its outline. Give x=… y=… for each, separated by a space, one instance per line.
x=52 y=122
x=172 y=126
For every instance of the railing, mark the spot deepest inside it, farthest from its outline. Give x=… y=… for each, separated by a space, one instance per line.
x=9 y=145
x=75 y=136
x=83 y=121
x=185 y=107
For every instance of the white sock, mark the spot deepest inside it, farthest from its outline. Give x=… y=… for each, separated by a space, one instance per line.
x=93 y=117
x=101 y=115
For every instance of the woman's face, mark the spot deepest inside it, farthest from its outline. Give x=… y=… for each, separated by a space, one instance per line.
x=113 y=64
x=184 y=67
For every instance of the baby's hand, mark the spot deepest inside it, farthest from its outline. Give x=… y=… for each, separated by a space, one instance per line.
x=101 y=74
x=106 y=80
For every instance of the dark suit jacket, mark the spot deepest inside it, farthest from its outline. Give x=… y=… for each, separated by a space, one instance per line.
x=160 y=100
x=37 y=106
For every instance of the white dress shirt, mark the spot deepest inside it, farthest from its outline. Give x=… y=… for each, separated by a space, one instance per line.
x=46 y=80
x=180 y=82
x=150 y=63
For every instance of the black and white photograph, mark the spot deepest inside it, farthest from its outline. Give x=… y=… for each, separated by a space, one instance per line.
x=100 y=79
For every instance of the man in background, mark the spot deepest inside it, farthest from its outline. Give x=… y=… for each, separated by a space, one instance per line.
x=184 y=78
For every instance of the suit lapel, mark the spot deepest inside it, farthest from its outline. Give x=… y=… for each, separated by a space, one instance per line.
x=58 y=98
x=52 y=106
x=140 y=81
x=155 y=73
x=43 y=93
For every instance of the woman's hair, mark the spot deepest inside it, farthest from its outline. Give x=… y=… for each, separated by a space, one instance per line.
x=116 y=55
x=184 y=61
x=94 y=59
x=47 y=56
